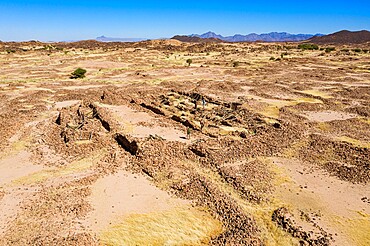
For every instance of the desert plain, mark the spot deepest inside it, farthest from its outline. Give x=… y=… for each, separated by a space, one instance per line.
x=171 y=143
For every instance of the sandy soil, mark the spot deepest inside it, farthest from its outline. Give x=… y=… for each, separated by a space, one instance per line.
x=124 y=193
x=147 y=150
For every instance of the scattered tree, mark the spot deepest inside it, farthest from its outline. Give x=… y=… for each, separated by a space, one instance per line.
x=189 y=61
x=235 y=64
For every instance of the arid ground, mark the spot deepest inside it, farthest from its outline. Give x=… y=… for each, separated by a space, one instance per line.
x=250 y=144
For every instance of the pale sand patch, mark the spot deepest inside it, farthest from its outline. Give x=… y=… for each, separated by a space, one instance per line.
x=129 y=115
x=16 y=166
x=63 y=104
x=130 y=118
x=125 y=193
x=166 y=133
x=11 y=168
x=324 y=116
x=337 y=201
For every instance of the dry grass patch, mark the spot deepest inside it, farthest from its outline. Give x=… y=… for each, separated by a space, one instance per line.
x=355 y=142
x=317 y=93
x=181 y=226
x=356 y=229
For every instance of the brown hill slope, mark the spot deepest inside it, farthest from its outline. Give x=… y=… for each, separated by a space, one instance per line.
x=196 y=39
x=343 y=37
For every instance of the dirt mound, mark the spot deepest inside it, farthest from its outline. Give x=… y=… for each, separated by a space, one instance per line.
x=77 y=131
x=341 y=159
x=343 y=37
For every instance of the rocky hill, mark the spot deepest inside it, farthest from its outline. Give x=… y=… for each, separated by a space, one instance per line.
x=343 y=37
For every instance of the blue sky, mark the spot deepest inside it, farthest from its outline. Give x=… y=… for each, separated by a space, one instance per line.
x=49 y=20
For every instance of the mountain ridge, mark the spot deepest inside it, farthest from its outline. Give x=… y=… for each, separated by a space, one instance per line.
x=267 y=37
x=110 y=39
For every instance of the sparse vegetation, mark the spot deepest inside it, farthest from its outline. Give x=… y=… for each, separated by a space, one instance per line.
x=329 y=49
x=79 y=73
x=235 y=64
x=308 y=46
x=189 y=61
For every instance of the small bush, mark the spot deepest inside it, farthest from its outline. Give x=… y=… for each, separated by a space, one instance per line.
x=308 y=46
x=235 y=64
x=357 y=50
x=329 y=49
x=79 y=73
x=283 y=54
x=272 y=58
x=344 y=50
x=189 y=61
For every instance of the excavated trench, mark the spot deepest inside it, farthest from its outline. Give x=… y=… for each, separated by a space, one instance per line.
x=203 y=161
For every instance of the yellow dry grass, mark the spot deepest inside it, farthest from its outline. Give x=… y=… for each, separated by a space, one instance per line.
x=356 y=229
x=272 y=109
x=180 y=226
x=271 y=234
x=317 y=93
x=353 y=141
x=323 y=126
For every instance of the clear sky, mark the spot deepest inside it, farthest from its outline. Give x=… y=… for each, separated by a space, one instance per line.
x=50 y=20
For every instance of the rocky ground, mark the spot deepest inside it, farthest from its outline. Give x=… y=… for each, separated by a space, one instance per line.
x=247 y=144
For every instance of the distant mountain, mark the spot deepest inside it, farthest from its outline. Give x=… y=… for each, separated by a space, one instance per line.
x=189 y=39
x=343 y=37
x=266 y=37
x=108 y=39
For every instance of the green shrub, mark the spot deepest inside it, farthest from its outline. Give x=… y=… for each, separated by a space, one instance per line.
x=235 y=64
x=79 y=73
x=189 y=61
x=357 y=50
x=344 y=50
x=308 y=46
x=272 y=58
x=329 y=49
